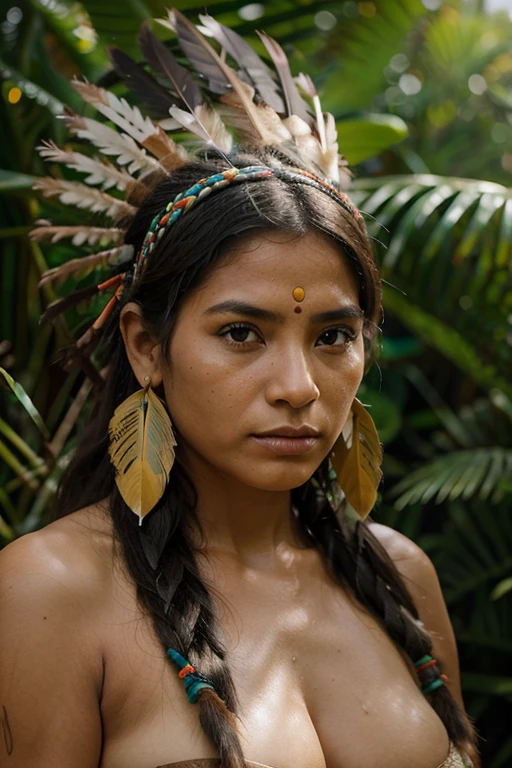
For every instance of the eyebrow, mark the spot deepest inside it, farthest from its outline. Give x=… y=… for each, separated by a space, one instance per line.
x=347 y=311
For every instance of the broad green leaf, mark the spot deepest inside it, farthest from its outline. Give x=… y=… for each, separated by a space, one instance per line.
x=365 y=137
x=26 y=402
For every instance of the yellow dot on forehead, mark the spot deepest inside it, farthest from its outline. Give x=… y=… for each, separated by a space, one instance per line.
x=299 y=293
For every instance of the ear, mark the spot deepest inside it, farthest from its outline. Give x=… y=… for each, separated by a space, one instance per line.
x=143 y=351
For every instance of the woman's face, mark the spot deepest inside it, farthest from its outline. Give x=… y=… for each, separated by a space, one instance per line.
x=247 y=358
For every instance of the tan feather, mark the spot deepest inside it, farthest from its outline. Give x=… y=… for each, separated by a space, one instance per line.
x=100 y=172
x=78 y=234
x=169 y=154
x=82 y=267
x=205 y=123
x=357 y=463
x=82 y=196
x=142 y=450
x=235 y=113
x=111 y=142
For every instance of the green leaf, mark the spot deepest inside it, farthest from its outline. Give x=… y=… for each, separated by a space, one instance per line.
x=448 y=341
x=26 y=403
x=362 y=138
x=502 y=588
x=460 y=473
x=11 y=181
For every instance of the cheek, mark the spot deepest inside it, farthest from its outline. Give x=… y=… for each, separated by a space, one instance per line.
x=203 y=395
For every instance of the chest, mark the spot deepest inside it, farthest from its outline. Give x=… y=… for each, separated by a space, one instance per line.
x=319 y=685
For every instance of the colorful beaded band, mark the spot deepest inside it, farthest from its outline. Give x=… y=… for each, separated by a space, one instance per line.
x=194 y=682
x=186 y=200
x=424 y=663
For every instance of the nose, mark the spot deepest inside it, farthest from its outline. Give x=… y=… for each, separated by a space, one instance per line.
x=291 y=380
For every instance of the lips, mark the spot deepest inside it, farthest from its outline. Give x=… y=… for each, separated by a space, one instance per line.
x=288 y=431
x=288 y=441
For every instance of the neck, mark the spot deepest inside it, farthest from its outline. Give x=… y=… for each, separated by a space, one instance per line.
x=249 y=524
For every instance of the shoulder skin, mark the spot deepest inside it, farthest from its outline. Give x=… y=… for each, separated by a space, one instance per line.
x=51 y=671
x=421 y=579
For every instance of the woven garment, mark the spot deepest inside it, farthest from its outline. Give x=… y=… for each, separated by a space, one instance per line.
x=454 y=760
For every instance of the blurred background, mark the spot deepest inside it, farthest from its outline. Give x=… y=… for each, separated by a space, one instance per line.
x=422 y=95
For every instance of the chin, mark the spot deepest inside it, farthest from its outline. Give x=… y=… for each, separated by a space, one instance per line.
x=278 y=478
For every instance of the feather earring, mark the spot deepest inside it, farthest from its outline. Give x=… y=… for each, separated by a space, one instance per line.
x=356 y=458
x=141 y=449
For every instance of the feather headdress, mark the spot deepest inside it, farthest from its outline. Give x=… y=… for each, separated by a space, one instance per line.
x=228 y=95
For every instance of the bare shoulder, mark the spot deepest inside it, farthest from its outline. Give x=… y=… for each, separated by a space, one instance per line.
x=420 y=578
x=51 y=657
x=73 y=554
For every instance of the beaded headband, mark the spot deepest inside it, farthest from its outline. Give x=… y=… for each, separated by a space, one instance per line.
x=184 y=201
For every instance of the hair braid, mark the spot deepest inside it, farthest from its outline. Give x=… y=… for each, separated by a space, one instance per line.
x=357 y=559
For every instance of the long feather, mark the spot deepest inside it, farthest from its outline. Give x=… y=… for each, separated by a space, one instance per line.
x=247 y=59
x=236 y=115
x=103 y=173
x=206 y=124
x=78 y=234
x=60 y=305
x=157 y=98
x=111 y=142
x=295 y=105
x=170 y=155
x=160 y=58
x=197 y=48
x=199 y=53
x=81 y=267
x=357 y=459
x=142 y=450
x=76 y=297
x=126 y=117
x=82 y=196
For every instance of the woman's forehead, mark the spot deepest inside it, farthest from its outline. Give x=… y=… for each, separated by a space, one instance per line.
x=272 y=266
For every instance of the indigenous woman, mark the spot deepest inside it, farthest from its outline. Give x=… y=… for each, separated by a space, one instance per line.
x=211 y=593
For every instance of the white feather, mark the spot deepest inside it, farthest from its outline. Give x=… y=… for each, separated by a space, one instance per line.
x=78 y=234
x=82 y=196
x=110 y=142
x=126 y=117
x=105 y=174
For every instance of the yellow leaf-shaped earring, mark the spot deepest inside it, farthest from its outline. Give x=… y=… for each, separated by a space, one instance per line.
x=357 y=458
x=141 y=449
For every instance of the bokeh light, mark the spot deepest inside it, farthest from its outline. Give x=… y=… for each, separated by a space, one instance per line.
x=14 y=95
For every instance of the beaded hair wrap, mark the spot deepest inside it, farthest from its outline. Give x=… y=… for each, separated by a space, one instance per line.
x=193 y=681
x=429 y=674
x=223 y=92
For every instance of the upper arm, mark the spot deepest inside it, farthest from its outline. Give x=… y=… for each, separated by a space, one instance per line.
x=50 y=677
x=421 y=579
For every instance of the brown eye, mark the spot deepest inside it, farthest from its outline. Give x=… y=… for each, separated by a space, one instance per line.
x=240 y=333
x=336 y=337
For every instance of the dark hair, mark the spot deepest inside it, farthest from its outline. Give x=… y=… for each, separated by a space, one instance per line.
x=159 y=555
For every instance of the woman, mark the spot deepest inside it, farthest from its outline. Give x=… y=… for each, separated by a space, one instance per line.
x=307 y=638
